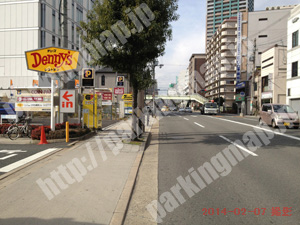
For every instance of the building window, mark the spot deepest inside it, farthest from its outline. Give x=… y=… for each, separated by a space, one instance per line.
x=267 y=59
x=295 y=38
x=295 y=69
x=264 y=84
x=59 y=42
x=53 y=40
x=43 y=39
x=262 y=19
x=289 y=92
x=77 y=37
x=271 y=64
x=43 y=15
x=103 y=80
x=53 y=20
x=79 y=13
x=73 y=33
x=255 y=86
x=262 y=36
x=73 y=10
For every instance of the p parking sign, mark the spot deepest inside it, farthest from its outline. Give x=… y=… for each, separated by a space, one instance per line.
x=120 y=81
x=87 y=79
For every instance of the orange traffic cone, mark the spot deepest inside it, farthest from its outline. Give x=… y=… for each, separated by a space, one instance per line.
x=43 y=137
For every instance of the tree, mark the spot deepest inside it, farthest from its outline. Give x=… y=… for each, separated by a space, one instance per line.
x=126 y=35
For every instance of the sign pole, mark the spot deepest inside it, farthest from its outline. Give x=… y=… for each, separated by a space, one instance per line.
x=52 y=105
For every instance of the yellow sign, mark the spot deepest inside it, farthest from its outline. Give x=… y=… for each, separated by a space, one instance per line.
x=52 y=60
x=88 y=73
x=127 y=97
x=92 y=111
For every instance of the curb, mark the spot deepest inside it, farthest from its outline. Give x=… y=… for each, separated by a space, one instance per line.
x=119 y=214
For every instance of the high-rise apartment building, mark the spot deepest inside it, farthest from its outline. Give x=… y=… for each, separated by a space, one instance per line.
x=27 y=25
x=219 y=10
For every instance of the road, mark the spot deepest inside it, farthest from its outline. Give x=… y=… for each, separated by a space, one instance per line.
x=244 y=187
x=14 y=155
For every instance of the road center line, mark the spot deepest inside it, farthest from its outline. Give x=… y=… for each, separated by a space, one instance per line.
x=185 y=118
x=240 y=147
x=261 y=128
x=199 y=125
x=26 y=160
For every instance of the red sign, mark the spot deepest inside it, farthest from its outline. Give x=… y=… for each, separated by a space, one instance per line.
x=30 y=99
x=119 y=91
x=67 y=101
x=106 y=96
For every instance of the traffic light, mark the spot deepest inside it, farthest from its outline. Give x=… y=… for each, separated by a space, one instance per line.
x=87 y=79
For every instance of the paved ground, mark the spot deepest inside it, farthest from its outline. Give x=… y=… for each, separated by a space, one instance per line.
x=80 y=185
x=199 y=184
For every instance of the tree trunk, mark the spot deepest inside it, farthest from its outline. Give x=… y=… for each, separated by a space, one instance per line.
x=134 y=136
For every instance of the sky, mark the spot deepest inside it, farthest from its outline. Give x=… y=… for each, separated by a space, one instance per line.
x=189 y=37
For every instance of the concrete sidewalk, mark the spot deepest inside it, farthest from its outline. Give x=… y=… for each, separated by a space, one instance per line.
x=81 y=185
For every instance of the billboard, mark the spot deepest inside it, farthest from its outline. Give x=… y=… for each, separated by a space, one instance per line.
x=52 y=60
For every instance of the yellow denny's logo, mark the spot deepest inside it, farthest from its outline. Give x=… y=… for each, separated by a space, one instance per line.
x=52 y=60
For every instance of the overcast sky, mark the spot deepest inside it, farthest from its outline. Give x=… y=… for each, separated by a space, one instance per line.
x=189 y=37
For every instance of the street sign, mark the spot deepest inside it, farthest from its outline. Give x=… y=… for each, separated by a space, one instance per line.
x=119 y=91
x=67 y=101
x=120 y=81
x=87 y=79
x=52 y=60
x=127 y=97
x=106 y=96
x=33 y=99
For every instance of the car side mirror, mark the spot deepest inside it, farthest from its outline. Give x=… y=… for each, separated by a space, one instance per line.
x=269 y=112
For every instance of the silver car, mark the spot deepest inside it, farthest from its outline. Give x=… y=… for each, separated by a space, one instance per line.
x=279 y=115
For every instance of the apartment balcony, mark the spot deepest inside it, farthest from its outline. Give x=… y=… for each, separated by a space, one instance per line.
x=228 y=55
x=227 y=68
x=225 y=82
x=228 y=26
x=229 y=47
x=222 y=90
x=227 y=75
x=228 y=62
x=228 y=33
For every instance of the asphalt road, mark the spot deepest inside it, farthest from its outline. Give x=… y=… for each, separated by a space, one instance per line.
x=13 y=154
x=248 y=188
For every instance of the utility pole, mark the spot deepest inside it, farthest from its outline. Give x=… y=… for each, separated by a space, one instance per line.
x=253 y=75
x=63 y=23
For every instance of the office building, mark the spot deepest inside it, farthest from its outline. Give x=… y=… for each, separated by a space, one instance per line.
x=197 y=68
x=28 y=25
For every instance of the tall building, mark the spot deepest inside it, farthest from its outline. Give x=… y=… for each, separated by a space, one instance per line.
x=219 y=10
x=27 y=25
x=220 y=76
x=197 y=68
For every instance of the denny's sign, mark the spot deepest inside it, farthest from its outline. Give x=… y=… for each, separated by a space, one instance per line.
x=52 y=60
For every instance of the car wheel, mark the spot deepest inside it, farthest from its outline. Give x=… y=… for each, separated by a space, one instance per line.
x=260 y=122
x=296 y=127
x=274 y=124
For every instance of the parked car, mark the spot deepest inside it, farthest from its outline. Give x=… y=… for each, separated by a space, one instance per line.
x=8 y=108
x=209 y=108
x=279 y=115
x=188 y=110
x=181 y=110
x=173 y=108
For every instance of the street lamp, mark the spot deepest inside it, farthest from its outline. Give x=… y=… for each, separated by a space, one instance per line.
x=155 y=63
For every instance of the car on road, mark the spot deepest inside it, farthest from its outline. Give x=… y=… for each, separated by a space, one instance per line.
x=173 y=108
x=279 y=115
x=165 y=109
x=188 y=110
x=181 y=110
x=209 y=108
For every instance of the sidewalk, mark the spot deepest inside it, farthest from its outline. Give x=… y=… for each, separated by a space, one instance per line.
x=83 y=183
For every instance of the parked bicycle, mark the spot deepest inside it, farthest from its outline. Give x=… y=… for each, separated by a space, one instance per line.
x=15 y=130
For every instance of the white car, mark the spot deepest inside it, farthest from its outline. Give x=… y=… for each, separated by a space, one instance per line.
x=188 y=109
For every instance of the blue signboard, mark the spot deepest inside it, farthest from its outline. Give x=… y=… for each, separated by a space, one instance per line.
x=241 y=85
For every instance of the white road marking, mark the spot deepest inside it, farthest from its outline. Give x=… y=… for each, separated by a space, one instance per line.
x=27 y=160
x=11 y=151
x=261 y=128
x=194 y=116
x=185 y=118
x=199 y=125
x=240 y=147
x=8 y=156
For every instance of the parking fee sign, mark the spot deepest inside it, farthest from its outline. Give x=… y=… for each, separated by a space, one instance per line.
x=67 y=101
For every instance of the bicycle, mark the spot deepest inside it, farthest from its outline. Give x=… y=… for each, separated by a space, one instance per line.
x=14 y=131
